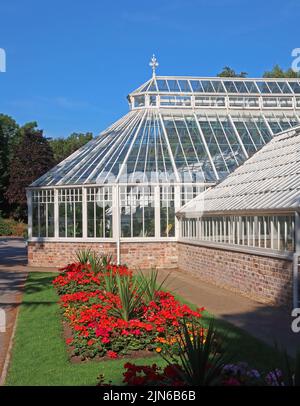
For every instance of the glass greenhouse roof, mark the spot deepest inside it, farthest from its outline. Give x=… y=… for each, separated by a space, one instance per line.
x=188 y=85
x=153 y=145
x=269 y=180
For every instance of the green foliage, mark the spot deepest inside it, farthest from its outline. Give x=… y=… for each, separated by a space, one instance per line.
x=39 y=332
x=228 y=72
x=110 y=283
x=131 y=296
x=8 y=138
x=12 y=227
x=63 y=147
x=32 y=157
x=200 y=355
x=96 y=262
x=278 y=72
x=83 y=256
x=150 y=285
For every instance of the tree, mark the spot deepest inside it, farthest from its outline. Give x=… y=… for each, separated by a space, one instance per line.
x=32 y=157
x=63 y=147
x=8 y=138
x=278 y=72
x=228 y=72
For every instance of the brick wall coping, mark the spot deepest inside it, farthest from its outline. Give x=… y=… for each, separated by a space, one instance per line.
x=102 y=240
x=238 y=248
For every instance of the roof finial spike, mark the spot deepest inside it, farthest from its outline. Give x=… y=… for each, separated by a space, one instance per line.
x=154 y=64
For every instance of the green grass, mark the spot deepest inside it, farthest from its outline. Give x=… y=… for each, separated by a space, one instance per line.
x=40 y=357
x=242 y=345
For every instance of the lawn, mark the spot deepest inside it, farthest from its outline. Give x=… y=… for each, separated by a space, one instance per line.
x=40 y=356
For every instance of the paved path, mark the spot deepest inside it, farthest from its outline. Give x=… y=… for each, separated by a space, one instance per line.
x=13 y=274
x=265 y=322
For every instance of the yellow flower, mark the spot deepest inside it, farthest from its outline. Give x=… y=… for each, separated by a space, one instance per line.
x=158 y=349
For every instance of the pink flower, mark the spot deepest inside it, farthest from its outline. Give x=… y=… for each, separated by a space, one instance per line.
x=232 y=382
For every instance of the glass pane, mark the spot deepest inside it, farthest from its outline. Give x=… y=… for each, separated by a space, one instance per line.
x=251 y=86
x=90 y=219
x=50 y=220
x=184 y=85
x=284 y=87
x=35 y=220
x=173 y=86
x=241 y=87
x=70 y=219
x=62 y=221
x=207 y=86
x=162 y=85
x=274 y=87
x=230 y=87
x=218 y=86
x=196 y=85
x=295 y=86
x=78 y=219
x=263 y=87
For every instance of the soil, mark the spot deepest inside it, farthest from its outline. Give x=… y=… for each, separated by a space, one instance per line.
x=77 y=359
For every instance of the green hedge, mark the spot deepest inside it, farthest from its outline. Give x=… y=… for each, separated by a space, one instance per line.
x=12 y=227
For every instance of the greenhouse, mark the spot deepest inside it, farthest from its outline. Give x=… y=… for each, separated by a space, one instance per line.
x=181 y=136
x=254 y=210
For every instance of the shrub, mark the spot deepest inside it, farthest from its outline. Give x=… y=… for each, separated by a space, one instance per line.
x=10 y=227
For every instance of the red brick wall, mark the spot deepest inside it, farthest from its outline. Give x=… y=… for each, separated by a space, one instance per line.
x=266 y=279
x=143 y=255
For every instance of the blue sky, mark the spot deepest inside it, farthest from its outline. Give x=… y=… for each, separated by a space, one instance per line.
x=70 y=64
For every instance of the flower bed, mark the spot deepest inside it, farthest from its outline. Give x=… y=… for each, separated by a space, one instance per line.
x=112 y=313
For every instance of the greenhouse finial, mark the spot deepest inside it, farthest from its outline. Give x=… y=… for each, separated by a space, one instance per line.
x=154 y=64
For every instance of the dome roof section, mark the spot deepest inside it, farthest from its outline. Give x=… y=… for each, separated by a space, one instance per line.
x=213 y=85
x=183 y=130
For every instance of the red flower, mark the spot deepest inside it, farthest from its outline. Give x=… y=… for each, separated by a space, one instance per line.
x=112 y=354
x=69 y=341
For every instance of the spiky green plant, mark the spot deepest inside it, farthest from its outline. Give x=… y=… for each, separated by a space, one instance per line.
x=149 y=284
x=110 y=284
x=83 y=256
x=96 y=262
x=200 y=355
x=131 y=298
x=106 y=260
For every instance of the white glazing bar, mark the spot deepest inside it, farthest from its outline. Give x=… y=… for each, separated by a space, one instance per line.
x=131 y=146
x=56 y=214
x=111 y=146
x=206 y=148
x=265 y=232
x=177 y=205
x=297 y=232
x=29 y=208
x=169 y=148
x=286 y=233
x=84 y=212
x=238 y=136
x=272 y=232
